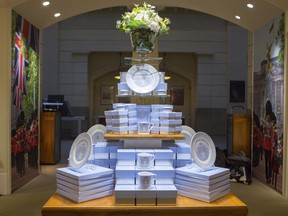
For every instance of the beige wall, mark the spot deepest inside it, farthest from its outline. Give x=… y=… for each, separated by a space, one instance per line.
x=5 y=95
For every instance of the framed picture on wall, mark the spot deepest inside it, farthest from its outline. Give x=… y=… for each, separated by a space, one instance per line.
x=237 y=91
x=106 y=94
x=177 y=95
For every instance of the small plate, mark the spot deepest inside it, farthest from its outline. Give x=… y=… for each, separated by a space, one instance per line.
x=80 y=150
x=188 y=133
x=203 y=150
x=97 y=133
x=142 y=78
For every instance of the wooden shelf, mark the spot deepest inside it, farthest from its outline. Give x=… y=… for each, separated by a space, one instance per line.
x=228 y=205
x=110 y=136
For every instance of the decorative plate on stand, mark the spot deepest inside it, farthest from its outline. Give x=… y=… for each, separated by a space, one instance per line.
x=80 y=151
x=97 y=133
x=203 y=150
x=142 y=78
x=188 y=134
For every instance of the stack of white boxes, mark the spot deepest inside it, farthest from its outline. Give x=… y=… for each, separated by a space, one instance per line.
x=86 y=183
x=206 y=185
x=127 y=192
x=105 y=153
x=122 y=119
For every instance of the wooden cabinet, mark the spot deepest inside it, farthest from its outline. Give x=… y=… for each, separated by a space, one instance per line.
x=239 y=133
x=50 y=140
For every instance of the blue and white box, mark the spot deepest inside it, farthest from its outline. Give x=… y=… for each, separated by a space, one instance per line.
x=146 y=196
x=126 y=154
x=166 y=194
x=125 y=194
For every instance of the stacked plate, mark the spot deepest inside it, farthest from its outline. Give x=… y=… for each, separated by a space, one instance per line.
x=206 y=185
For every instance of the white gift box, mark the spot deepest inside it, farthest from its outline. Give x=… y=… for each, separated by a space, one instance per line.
x=196 y=172
x=203 y=187
x=170 y=122
x=137 y=151
x=120 y=114
x=101 y=147
x=146 y=196
x=164 y=181
x=84 y=198
x=154 y=115
x=119 y=121
x=125 y=172
x=85 y=172
x=201 y=191
x=112 y=163
x=109 y=128
x=216 y=194
x=132 y=114
x=183 y=148
x=109 y=114
x=183 y=156
x=164 y=172
x=206 y=183
x=125 y=194
x=155 y=130
x=166 y=194
x=102 y=162
x=108 y=120
x=167 y=130
x=104 y=156
x=122 y=86
x=162 y=86
x=164 y=162
x=84 y=183
x=95 y=190
x=178 y=115
x=120 y=130
x=178 y=129
x=126 y=154
x=132 y=129
x=163 y=154
x=130 y=107
x=132 y=121
x=155 y=121
x=125 y=181
x=156 y=108
x=126 y=162
x=182 y=163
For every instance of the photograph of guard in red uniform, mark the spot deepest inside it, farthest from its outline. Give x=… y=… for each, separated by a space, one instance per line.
x=20 y=140
x=32 y=141
x=257 y=141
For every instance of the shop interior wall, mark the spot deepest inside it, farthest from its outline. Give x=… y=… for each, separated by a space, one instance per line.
x=220 y=46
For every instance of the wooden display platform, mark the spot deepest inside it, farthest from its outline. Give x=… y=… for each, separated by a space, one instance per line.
x=228 y=205
x=110 y=136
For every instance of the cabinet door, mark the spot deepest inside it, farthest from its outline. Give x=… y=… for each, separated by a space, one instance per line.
x=49 y=138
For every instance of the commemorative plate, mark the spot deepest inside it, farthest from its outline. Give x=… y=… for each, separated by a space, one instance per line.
x=203 y=150
x=142 y=78
x=80 y=150
x=97 y=133
x=188 y=133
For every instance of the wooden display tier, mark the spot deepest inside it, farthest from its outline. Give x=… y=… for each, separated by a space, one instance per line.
x=110 y=136
x=229 y=205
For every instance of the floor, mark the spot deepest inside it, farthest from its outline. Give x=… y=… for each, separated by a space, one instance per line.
x=28 y=200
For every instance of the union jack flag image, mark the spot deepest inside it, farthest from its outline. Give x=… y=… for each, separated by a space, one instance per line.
x=19 y=77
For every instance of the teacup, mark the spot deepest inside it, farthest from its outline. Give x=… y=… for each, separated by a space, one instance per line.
x=145 y=127
x=146 y=179
x=145 y=160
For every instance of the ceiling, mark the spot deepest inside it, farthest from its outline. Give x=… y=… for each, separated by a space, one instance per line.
x=251 y=19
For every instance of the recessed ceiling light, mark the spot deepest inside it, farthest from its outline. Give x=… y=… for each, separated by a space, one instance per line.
x=250 y=5
x=237 y=17
x=45 y=3
x=57 y=14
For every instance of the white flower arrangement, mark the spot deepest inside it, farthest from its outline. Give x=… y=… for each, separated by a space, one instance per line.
x=143 y=17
